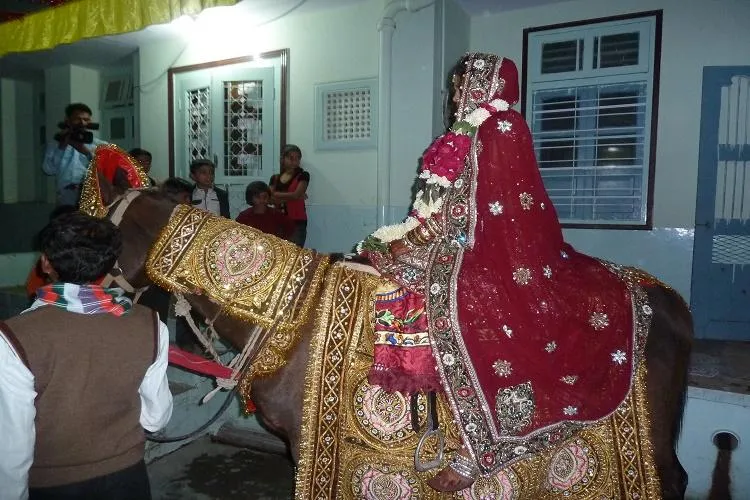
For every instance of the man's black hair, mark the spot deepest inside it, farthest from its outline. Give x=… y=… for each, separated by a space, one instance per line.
x=196 y=164
x=174 y=186
x=254 y=189
x=140 y=152
x=76 y=107
x=81 y=248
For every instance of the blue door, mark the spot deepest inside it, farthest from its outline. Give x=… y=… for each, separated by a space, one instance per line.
x=720 y=294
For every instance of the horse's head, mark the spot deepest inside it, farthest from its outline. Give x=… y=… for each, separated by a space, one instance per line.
x=140 y=215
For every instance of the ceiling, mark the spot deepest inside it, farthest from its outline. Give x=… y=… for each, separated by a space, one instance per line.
x=103 y=51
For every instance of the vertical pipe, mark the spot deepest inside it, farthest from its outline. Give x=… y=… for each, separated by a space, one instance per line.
x=386 y=28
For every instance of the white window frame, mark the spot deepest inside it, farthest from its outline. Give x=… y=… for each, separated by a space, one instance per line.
x=648 y=25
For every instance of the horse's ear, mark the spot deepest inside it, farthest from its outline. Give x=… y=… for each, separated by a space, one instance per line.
x=107 y=191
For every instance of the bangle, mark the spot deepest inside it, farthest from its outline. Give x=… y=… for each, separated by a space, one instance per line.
x=464 y=467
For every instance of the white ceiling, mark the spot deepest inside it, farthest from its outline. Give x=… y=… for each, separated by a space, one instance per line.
x=106 y=51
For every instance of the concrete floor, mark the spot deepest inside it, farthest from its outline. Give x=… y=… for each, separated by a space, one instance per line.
x=206 y=470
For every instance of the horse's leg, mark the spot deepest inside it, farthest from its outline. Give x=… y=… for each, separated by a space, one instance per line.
x=667 y=359
x=279 y=397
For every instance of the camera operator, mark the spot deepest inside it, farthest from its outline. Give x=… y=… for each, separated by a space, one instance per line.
x=68 y=156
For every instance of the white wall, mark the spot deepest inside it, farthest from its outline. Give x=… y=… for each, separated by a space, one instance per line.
x=455 y=25
x=696 y=33
x=413 y=88
x=325 y=46
x=85 y=86
x=426 y=45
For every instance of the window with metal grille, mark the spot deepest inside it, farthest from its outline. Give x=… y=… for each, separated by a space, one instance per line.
x=589 y=92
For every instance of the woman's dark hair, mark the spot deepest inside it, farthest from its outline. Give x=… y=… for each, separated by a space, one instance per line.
x=291 y=148
x=449 y=109
x=254 y=189
x=79 y=247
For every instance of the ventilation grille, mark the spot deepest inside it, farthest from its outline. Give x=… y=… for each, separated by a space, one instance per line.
x=345 y=115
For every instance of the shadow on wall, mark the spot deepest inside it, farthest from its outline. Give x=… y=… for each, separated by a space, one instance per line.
x=21 y=223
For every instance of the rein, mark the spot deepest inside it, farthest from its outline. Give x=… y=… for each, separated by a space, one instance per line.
x=239 y=365
x=115 y=276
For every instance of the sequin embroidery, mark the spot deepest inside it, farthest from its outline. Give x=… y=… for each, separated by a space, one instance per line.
x=515 y=406
x=522 y=276
x=599 y=321
x=619 y=357
x=502 y=368
x=569 y=379
x=496 y=208
x=526 y=200
x=504 y=126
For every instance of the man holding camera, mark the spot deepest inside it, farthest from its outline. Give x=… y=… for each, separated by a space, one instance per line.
x=68 y=156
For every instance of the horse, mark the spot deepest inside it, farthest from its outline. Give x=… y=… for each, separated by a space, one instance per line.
x=279 y=397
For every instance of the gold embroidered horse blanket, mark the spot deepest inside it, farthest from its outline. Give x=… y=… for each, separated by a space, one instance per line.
x=358 y=442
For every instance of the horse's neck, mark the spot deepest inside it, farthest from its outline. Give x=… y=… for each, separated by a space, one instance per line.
x=230 y=329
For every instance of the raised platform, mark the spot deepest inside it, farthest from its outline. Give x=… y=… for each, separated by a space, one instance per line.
x=720 y=365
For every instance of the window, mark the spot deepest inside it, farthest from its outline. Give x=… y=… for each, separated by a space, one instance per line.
x=588 y=100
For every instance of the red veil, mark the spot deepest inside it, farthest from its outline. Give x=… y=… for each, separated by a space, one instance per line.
x=531 y=338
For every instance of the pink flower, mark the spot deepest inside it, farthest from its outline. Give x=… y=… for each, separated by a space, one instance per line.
x=445 y=156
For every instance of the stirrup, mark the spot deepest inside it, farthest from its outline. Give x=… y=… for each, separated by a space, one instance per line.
x=421 y=466
x=432 y=429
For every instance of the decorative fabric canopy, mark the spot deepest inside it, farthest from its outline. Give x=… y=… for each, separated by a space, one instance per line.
x=81 y=19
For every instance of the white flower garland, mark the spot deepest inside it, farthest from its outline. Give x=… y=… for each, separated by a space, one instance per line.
x=394 y=232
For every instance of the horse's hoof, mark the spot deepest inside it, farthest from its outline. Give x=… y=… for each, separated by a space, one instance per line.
x=449 y=480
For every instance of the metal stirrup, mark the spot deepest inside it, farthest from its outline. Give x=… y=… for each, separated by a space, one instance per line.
x=432 y=429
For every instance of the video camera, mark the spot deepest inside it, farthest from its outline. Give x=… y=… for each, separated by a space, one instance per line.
x=79 y=133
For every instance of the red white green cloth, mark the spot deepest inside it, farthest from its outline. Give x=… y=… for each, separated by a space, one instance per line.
x=83 y=299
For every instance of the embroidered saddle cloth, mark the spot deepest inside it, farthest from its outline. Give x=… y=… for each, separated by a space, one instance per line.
x=254 y=276
x=358 y=442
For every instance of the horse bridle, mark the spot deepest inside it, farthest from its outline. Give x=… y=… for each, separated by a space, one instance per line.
x=115 y=212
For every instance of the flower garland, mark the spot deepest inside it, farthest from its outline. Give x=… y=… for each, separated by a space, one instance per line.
x=442 y=164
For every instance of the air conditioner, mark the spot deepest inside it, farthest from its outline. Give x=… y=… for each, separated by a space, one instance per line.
x=117 y=91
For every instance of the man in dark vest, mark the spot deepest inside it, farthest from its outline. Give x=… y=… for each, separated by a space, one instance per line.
x=82 y=374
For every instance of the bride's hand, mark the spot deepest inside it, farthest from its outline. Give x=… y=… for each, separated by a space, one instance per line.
x=398 y=248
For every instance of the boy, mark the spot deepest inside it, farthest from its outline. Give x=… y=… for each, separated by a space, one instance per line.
x=178 y=190
x=144 y=159
x=205 y=194
x=262 y=216
x=83 y=372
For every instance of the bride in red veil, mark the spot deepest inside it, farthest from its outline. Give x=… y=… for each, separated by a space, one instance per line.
x=528 y=338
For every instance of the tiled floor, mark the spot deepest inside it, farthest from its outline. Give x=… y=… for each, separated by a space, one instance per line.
x=205 y=470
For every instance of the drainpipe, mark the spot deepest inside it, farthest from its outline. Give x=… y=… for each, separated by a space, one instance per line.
x=386 y=28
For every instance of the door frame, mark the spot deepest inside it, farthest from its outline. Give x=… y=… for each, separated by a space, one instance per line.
x=713 y=78
x=282 y=55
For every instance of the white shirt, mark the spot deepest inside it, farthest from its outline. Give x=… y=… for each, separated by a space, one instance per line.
x=17 y=412
x=206 y=200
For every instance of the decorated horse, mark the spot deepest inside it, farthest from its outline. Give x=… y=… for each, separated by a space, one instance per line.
x=310 y=332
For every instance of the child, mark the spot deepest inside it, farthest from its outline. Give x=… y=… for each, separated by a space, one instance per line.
x=178 y=190
x=144 y=159
x=205 y=194
x=262 y=216
x=289 y=188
